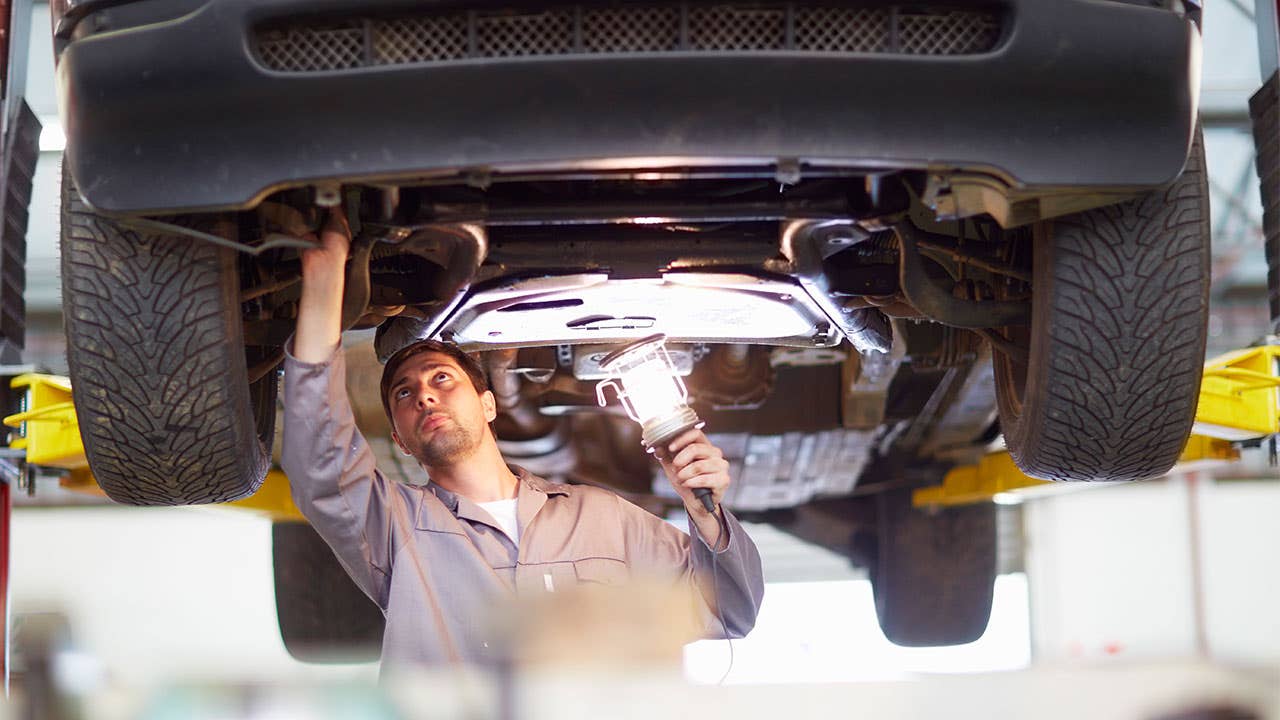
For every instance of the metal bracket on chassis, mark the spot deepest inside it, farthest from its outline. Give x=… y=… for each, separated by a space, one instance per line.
x=867 y=329
x=941 y=306
x=468 y=248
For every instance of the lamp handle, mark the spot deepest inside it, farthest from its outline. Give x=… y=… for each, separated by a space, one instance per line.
x=600 y=386
x=622 y=397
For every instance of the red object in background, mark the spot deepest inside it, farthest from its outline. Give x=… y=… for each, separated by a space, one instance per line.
x=4 y=44
x=5 y=499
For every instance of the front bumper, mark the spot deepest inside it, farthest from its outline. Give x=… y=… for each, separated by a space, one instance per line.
x=180 y=115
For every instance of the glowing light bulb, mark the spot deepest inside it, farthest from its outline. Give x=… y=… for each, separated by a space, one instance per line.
x=651 y=391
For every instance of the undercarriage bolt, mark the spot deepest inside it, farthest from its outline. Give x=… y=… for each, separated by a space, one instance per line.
x=328 y=195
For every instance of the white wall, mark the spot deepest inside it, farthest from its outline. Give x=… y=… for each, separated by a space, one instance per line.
x=158 y=593
x=1241 y=569
x=1113 y=574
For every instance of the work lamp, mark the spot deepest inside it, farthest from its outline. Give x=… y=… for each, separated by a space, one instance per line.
x=652 y=393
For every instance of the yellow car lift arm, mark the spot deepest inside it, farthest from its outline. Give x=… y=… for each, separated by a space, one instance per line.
x=1239 y=402
x=48 y=432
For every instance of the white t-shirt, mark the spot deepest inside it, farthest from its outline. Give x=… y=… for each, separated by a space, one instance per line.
x=504 y=513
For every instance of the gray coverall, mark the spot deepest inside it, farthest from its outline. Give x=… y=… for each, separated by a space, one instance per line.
x=432 y=560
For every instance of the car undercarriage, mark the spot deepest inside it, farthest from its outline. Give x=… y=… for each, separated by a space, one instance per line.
x=748 y=294
x=874 y=250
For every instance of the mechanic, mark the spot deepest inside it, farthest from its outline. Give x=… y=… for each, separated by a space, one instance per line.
x=436 y=557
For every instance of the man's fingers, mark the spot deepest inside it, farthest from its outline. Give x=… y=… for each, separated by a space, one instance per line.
x=685 y=439
x=692 y=462
x=336 y=221
x=717 y=483
x=711 y=481
x=703 y=467
x=663 y=455
x=336 y=235
x=696 y=451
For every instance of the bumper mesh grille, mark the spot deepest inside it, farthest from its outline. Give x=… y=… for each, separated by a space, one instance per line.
x=406 y=40
x=835 y=30
x=950 y=33
x=307 y=45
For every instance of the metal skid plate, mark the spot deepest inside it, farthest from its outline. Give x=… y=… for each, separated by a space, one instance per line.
x=586 y=361
x=686 y=306
x=782 y=471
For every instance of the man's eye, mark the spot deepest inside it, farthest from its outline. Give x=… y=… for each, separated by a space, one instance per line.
x=441 y=377
x=402 y=393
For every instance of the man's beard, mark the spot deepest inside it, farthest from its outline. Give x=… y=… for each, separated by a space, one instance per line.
x=448 y=445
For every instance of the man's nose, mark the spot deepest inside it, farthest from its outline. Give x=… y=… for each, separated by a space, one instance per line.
x=426 y=399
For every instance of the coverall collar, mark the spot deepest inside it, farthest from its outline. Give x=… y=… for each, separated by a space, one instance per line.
x=531 y=494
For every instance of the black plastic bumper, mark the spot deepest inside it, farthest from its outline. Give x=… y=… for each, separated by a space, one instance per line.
x=179 y=115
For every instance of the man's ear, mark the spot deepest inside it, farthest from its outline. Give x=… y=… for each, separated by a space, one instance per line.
x=396 y=437
x=490 y=406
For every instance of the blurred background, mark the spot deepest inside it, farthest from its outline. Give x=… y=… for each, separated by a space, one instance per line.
x=1180 y=568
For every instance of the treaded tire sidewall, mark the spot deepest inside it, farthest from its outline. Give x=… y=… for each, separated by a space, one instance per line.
x=157 y=362
x=933 y=575
x=323 y=615
x=1119 y=314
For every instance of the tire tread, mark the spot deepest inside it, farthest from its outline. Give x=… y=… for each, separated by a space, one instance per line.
x=1118 y=371
x=933 y=578
x=323 y=614
x=156 y=362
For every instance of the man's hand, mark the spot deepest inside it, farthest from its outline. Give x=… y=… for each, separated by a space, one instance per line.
x=326 y=263
x=691 y=461
x=323 y=279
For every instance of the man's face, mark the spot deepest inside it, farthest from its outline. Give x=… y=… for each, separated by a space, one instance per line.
x=436 y=414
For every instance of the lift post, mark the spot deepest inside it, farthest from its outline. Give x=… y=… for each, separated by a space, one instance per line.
x=1239 y=398
x=47 y=430
x=47 y=435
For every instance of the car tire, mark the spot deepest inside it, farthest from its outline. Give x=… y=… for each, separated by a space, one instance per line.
x=933 y=573
x=323 y=615
x=157 y=362
x=1116 y=344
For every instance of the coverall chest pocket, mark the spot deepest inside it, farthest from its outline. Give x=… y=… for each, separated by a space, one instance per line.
x=601 y=571
x=447 y=540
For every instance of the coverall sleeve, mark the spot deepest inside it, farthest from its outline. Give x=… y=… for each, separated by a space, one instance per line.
x=731 y=578
x=332 y=475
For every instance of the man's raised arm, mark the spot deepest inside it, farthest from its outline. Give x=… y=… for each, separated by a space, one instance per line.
x=330 y=466
x=320 y=309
